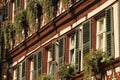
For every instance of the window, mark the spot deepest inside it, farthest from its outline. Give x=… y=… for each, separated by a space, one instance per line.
x=38 y=64
x=75 y=50
x=105 y=32
x=101 y=34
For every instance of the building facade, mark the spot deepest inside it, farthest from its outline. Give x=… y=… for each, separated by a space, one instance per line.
x=41 y=36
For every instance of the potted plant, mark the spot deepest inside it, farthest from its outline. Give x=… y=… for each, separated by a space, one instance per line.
x=93 y=62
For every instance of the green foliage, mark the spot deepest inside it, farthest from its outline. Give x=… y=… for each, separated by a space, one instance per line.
x=93 y=61
x=7 y=29
x=66 y=71
x=32 y=12
x=20 y=19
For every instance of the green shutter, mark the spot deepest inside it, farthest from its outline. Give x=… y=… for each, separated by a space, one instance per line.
x=77 y=54
x=35 y=62
x=77 y=60
x=53 y=52
x=40 y=62
x=77 y=32
x=109 y=30
x=61 y=50
x=24 y=70
x=87 y=36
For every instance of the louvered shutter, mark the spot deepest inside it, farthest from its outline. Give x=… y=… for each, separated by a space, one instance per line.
x=109 y=30
x=86 y=36
x=77 y=54
x=53 y=52
x=24 y=70
x=40 y=62
x=61 y=50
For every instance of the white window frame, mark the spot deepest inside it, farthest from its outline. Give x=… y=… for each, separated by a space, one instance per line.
x=101 y=33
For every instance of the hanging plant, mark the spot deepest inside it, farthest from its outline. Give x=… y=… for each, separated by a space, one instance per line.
x=34 y=12
x=8 y=29
x=50 y=8
x=21 y=24
x=93 y=61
